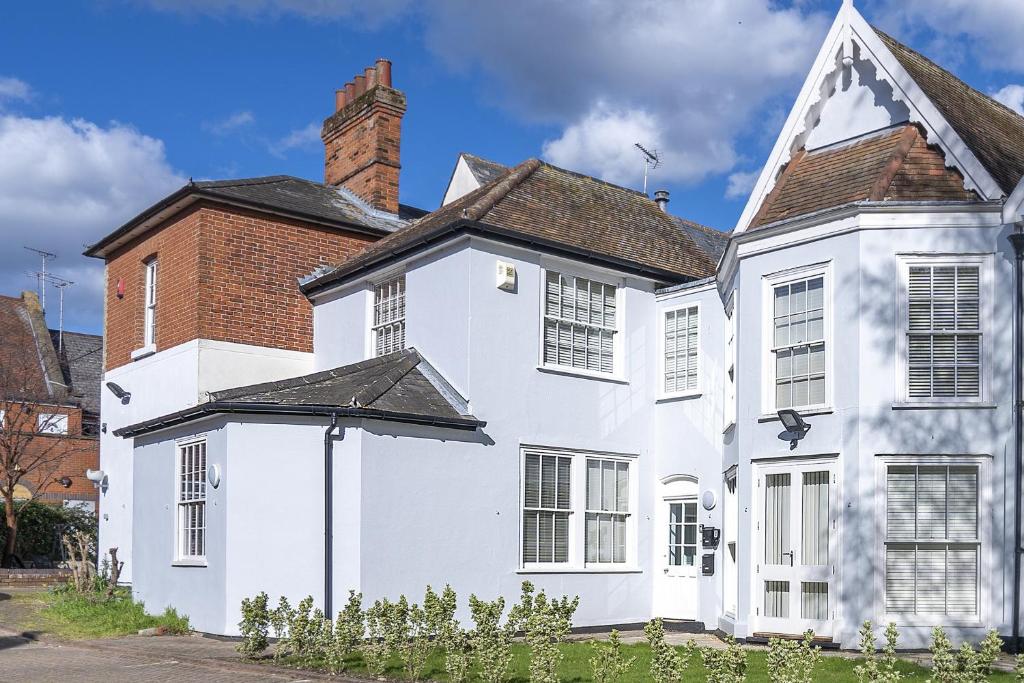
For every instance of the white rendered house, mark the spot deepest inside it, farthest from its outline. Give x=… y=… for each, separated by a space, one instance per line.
x=551 y=378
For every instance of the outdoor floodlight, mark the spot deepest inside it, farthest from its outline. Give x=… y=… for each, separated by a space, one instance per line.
x=795 y=426
x=116 y=389
x=65 y=482
x=98 y=477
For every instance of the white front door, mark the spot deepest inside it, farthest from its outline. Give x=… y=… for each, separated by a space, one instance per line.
x=795 y=581
x=679 y=549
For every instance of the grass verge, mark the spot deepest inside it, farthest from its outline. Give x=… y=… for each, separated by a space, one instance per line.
x=72 y=616
x=575 y=667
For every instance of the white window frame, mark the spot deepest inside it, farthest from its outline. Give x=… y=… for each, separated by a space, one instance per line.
x=51 y=423
x=375 y=327
x=662 y=352
x=180 y=506
x=150 y=302
x=768 y=367
x=578 y=512
x=985 y=289
x=618 y=372
x=984 y=465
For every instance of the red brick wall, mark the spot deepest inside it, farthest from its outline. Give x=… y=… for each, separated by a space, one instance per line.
x=225 y=274
x=362 y=149
x=64 y=456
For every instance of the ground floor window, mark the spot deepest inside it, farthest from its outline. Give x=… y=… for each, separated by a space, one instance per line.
x=191 y=503
x=565 y=526
x=932 y=540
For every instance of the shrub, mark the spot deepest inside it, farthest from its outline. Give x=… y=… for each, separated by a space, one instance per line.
x=319 y=639
x=280 y=617
x=375 y=649
x=975 y=666
x=1018 y=668
x=254 y=626
x=417 y=644
x=792 y=661
x=666 y=664
x=545 y=623
x=608 y=663
x=348 y=632
x=872 y=670
x=491 y=641
x=943 y=660
x=299 y=628
x=441 y=622
x=41 y=527
x=725 y=666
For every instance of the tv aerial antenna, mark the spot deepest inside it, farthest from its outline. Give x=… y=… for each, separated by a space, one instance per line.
x=651 y=161
x=40 y=275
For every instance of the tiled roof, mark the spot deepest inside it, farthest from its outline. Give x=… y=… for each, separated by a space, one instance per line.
x=892 y=164
x=21 y=370
x=552 y=208
x=994 y=132
x=712 y=242
x=81 y=361
x=401 y=386
x=483 y=170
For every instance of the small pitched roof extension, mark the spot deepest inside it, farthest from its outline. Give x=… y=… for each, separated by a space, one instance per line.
x=484 y=170
x=994 y=132
x=550 y=208
x=398 y=387
x=288 y=196
x=892 y=164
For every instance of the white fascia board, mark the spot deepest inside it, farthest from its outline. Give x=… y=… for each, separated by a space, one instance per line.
x=813 y=94
x=1013 y=207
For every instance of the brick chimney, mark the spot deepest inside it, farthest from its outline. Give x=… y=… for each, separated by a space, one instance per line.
x=362 y=137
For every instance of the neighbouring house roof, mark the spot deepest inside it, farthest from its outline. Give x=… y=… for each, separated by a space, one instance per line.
x=81 y=362
x=711 y=241
x=482 y=169
x=994 y=132
x=288 y=196
x=551 y=209
x=894 y=164
x=399 y=387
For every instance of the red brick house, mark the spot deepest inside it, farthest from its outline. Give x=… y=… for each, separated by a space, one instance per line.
x=49 y=389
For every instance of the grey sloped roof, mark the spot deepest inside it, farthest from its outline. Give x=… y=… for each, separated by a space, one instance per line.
x=81 y=361
x=305 y=197
x=484 y=170
x=712 y=242
x=401 y=386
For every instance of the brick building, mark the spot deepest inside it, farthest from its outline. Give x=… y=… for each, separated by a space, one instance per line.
x=49 y=387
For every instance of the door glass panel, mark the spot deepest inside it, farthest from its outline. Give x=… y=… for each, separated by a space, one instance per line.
x=682 y=534
x=776 y=515
x=776 y=599
x=815 y=526
x=814 y=600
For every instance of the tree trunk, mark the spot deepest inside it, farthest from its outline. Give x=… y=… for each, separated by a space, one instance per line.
x=11 y=524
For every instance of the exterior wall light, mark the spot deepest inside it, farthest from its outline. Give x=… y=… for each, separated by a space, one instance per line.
x=116 y=389
x=213 y=475
x=796 y=428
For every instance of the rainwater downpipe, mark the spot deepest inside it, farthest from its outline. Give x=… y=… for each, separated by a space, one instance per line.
x=1017 y=240
x=329 y=439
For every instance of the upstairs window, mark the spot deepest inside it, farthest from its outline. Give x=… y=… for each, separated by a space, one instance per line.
x=579 y=323
x=389 y=316
x=943 y=331
x=191 y=507
x=150 y=313
x=681 y=349
x=798 y=342
x=51 y=423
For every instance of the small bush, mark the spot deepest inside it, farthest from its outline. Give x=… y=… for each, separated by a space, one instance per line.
x=280 y=617
x=348 y=632
x=608 y=663
x=255 y=626
x=871 y=670
x=375 y=648
x=449 y=636
x=1018 y=668
x=792 y=661
x=491 y=641
x=725 y=666
x=545 y=623
x=666 y=664
x=300 y=629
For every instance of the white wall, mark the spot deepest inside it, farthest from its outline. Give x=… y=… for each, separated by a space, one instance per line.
x=462 y=183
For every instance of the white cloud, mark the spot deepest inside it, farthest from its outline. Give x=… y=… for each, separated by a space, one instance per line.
x=372 y=13
x=741 y=183
x=1012 y=96
x=687 y=75
x=305 y=138
x=64 y=184
x=230 y=124
x=13 y=89
x=990 y=31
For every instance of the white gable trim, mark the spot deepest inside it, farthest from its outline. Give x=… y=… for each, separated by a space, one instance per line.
x=1013 y=209
x=813 y=95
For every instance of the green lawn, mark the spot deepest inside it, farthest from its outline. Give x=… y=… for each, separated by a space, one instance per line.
x=73 y=616
x=575 y=666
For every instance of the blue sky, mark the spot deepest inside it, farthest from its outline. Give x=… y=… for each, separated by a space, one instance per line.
x=107 y=106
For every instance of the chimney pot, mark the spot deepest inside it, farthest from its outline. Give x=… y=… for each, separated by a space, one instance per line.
x=339 y=99
x=350 y=92
x=371 y=77
x=360 y=85
x=661 y=199
x=384 y=72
